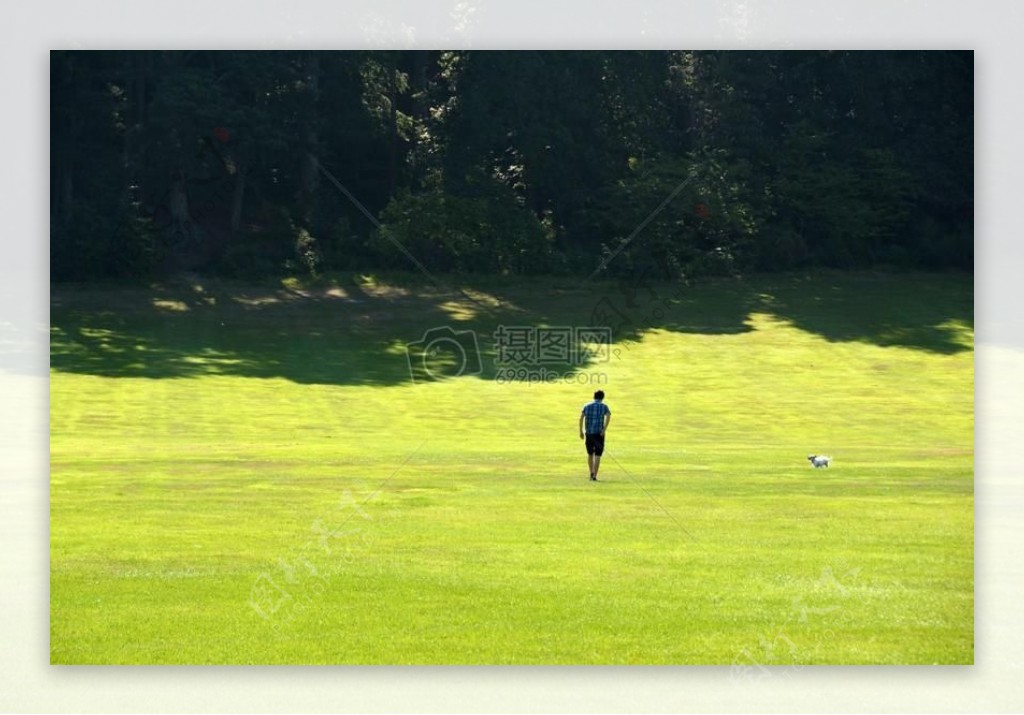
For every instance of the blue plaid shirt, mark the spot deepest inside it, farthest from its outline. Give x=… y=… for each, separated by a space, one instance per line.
x=594 y=413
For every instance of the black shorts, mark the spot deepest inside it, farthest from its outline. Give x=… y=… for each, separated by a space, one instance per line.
x=595 y=444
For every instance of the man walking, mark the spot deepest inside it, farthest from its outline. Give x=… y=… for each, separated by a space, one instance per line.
x=594 y=420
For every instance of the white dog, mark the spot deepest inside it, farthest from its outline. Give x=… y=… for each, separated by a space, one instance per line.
x=819 y=461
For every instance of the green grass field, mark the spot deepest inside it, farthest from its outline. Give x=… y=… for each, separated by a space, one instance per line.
x=247 y=474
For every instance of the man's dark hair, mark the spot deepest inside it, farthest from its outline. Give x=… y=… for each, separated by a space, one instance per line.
x=599 y=395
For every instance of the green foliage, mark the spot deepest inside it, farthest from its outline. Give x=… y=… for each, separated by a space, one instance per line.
x=250 y=259
x=383 y=84
x=692 y=212
x=135 y=249
x=307 y=251
x=450 y=233
x=849 y=211
x=77 y=249
x=265 y=251
x=520 y=161
x=342 y=248
x=115 y=244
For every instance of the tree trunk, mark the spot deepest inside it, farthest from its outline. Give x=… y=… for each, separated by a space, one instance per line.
x=64 y=200
x=66 y=197
x=133 y=136
x=392 y=130
x=177 y=205
x=309 y=176
x=237 y=199
x=420 y=107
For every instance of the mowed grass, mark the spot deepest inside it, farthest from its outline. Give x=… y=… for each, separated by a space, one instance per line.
x=247 y=474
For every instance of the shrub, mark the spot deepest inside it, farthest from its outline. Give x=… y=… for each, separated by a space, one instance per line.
x=457 y=234
x=99 y=243
x=675 y=216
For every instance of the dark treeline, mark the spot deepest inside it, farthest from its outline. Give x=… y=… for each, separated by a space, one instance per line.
x=509 y=162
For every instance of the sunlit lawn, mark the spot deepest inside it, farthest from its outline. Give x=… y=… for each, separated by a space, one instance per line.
x=247 y=474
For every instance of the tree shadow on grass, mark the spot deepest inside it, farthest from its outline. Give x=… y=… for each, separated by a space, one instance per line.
x=928 y=312
x=353 y=331
x=333 y=335
x=633 y=307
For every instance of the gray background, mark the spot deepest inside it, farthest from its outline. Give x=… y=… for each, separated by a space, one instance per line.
x=28 y=684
